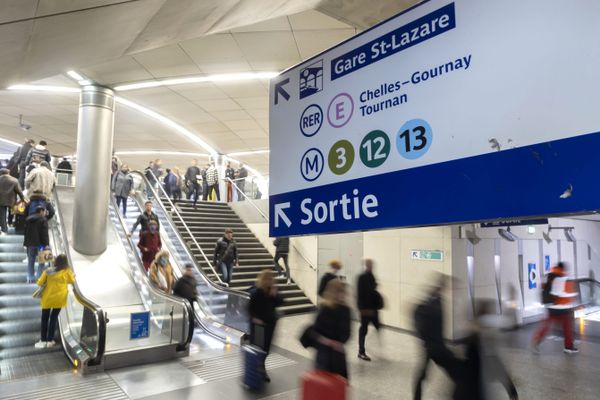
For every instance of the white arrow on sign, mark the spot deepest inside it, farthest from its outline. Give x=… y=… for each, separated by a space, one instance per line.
x=279 y=213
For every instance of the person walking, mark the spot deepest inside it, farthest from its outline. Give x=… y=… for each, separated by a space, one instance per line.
x=122 y=185
x=331 y=330
x=334 y=268
x=143 y=220
x=226 y=255
x=560 y=302
x=178 y=185
x=282 y=250
x=161 y=272
x=242 y=174
x=429 y=326
x=9 y=190
x=229 y=176
x=169 y=183
x=115 y=165
x=212 y=179
x=21 y=159
x=149 y=244
x=54 y=298
x=192 y=175
x=41 y=180
x=264 y=300
x=186 y=286
x=36 y=238
x=205 y=192
x=369 y=302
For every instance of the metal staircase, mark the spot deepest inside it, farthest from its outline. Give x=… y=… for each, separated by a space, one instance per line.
x=207 y=223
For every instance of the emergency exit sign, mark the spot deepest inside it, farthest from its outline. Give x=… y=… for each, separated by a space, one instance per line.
x=427 y=255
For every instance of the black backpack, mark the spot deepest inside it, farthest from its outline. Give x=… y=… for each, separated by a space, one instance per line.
x=548 y=298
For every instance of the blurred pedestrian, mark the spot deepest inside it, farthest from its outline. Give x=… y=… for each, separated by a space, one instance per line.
x=369 y=302
x=240 y=181
x=41 y=180
x=9 y=190
x=331 y=330
x=226 y=256
x=192 y=178
x=203 y=175
x=264 y=299
x=229 y=176
x=282 y=250
x=559 y=298
x=161 y=272
x=186 y=286
x=143 y=220
x=334 y=268
x=36 y=239
x=122 y=187
x=178 y=188
x=149 y=244
x=21 y=159
x=212 y=180
x=428 y=320
x=169 y=183
x=54 y=282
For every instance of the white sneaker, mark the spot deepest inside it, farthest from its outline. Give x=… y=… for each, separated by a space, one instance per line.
x=25 y=261
x=51 y=343
x=40 y=345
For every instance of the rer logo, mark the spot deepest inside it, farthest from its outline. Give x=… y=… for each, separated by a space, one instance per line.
x=311 y=79
x=311 y=165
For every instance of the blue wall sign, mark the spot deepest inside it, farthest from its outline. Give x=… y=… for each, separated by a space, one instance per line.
x=532 y=275
x=140 y=325
x=546 y=263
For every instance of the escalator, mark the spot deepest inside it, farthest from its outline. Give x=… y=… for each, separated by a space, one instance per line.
x=221 y=312
x=138 y=323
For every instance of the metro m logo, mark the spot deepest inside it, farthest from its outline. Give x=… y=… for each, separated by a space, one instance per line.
x=311 y=165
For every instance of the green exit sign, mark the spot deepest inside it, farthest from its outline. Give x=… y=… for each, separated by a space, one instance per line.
x=427 y=255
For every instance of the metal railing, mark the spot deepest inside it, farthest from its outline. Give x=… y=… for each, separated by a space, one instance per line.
x=90 y=341
x=266 y=218
x=181 y=220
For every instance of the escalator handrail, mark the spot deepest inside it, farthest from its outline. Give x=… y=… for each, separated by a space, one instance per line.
x=139 y=264
x=185 y=246
x=79 y=296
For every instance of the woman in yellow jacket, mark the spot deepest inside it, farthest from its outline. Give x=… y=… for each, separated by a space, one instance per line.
x=54 y=297
x=161 y=272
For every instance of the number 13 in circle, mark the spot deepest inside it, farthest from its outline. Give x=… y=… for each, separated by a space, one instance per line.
x=414 y=139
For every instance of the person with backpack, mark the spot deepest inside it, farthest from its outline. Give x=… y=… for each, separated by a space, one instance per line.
x=122 y=186
x=369 y=302
x=226 y=255
x=55 y=282
x=560 y=302
x=9 y=190
x=282 y=250
x=428 y=320
x=41 y=180
x=36 y=239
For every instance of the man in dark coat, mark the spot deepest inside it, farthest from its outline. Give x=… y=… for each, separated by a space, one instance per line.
x=9 y=190
x=185 y=287
x=191 y=181
x=368 y=302
x=36 y=238
x=226 y=255
x=22 y=158
x=144 y=219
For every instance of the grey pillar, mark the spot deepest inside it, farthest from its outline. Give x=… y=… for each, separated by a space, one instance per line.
x=94 y=147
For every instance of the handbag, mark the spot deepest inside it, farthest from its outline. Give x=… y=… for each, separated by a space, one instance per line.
x=379 y=303
x=45 y=256
x=39 y=292
x=19 y=208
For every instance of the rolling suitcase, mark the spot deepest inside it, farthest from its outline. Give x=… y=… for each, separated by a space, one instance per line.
x=254 y=367
x=322 y=385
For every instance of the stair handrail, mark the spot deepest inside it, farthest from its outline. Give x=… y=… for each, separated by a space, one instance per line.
x=79 y=296
x=186 y=227
x=186 y=305
x=266 y=218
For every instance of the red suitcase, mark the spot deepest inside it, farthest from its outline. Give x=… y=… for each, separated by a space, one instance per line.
x=321 y=385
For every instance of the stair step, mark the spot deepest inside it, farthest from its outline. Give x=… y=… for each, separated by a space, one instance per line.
x=10 y=239
x=20 y=313
x=13 y=256
x=13 y=247
x=20 y=339
x=24 y=351
x=19 y=326
x=21 y=288
x=297 y=309
x=17 y=301
x=13 y=277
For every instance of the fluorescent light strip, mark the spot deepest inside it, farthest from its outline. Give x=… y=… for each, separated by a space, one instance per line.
x=45 y=88
x=160 y=152
x=10 y=142
x=248 y=153
x=244 y=76
x=75 y=75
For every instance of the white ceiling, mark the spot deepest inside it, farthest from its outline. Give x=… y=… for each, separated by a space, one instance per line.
x=231 y=117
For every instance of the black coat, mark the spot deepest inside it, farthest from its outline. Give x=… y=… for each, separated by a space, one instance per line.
x=144 y=220
x=332 y=323
x=434 y=321
x=221 y=249
x=191 y=174
x=36 y=231
x=263 y=307
x=185 y=287
x=282 y=245
x=366 y=292
x=324 y=281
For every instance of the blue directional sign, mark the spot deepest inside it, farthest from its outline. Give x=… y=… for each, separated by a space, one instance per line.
x=442 y=114
x=139 y=325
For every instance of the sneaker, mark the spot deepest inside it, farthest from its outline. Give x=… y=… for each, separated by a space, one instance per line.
x=25 y=261
x=289 y=282
x=51 y=343
x=535 y=348
x=364 y=357
x=571 y=350
x=40 y=345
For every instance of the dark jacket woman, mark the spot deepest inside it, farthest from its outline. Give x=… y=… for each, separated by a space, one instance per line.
x=332 y=323
x=262 y=307
x=36 y=231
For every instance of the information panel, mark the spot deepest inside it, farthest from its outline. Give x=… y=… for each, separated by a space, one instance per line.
x=139 y=325
x=453 y=111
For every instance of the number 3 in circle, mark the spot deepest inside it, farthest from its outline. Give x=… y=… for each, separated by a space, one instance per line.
x=414 y=139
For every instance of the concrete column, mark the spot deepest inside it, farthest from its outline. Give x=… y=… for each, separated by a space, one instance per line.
x=94 y=147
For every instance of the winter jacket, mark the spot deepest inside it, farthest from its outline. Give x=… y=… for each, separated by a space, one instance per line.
x=191 y=175
x=144 y=220
x=40 y=180
x=170 y=183
x=167 y=272
x=39 y=153
x=55 y=293
x=366 y=292
x=220 y=250
x=9 y=190
x=332 y=323
x=185 y=287
x=36 y=231
x=122 y=184
x=212 y=176
x=562 y=295
x=263 y=306
x=282 y=245
x=39 y=200
x=23 y=153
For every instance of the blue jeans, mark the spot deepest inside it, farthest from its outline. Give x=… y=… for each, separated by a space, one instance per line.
x=122 y=201
x=226 y=270
x=32 y=253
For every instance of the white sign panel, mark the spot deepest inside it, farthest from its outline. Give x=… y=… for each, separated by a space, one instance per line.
x=449 y=112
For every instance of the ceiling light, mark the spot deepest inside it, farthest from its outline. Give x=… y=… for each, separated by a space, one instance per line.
x=161 y=152
x=198 y=79
x=531 y=229
x=45 y=88
x=75 y=75
x=247 y=153
x=507 y=234
x=10 y=142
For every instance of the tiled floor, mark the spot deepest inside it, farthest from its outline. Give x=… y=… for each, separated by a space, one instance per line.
x=551 y=375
